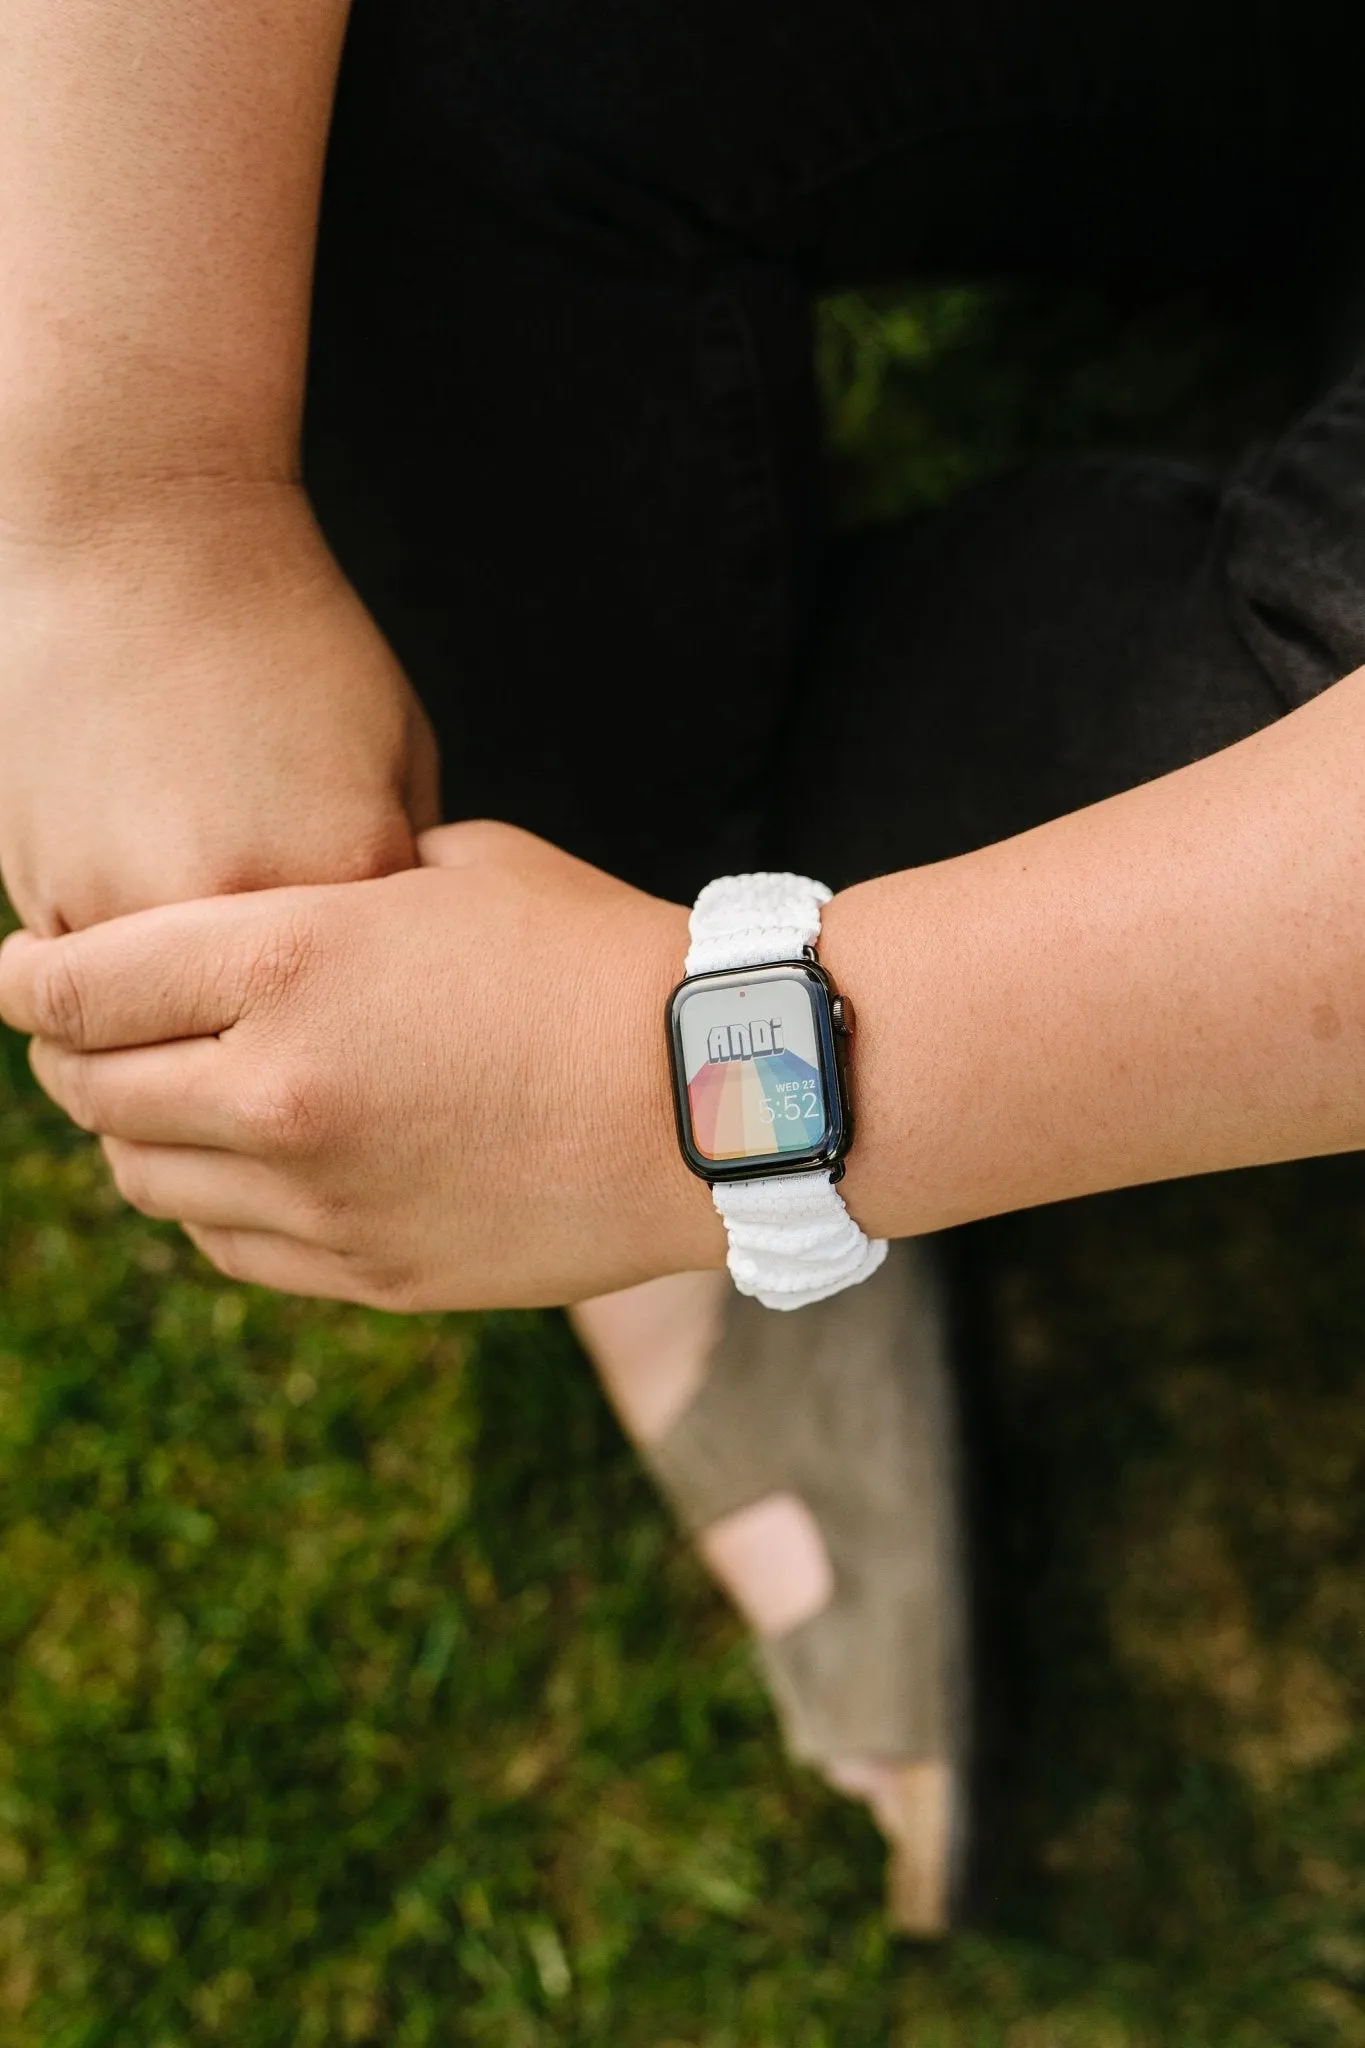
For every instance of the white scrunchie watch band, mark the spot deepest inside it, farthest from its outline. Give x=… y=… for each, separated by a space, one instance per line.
x=792 y=1240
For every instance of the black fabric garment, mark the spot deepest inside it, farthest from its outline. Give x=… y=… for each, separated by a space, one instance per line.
x=562 y=428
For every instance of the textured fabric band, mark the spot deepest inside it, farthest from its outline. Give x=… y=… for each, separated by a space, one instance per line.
x=747 y=920
x=792 y=1240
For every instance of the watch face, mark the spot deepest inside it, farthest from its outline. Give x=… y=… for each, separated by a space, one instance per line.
x=755 y=1069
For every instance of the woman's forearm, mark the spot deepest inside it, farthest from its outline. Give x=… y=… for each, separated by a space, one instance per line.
x=160 y=163
x=1169 y=983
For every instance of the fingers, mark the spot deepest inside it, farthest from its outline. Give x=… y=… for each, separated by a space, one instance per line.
x=266 y=1259
x=187 y=970
x=478 y=840
x=215 y=1190
x=156 y=1095
x=199 y=1091
x=17 y=957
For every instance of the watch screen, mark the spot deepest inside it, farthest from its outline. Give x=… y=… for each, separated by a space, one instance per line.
x=751 y=1065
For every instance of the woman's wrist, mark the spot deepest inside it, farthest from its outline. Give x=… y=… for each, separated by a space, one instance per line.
x=89 y=541
x=854 y=935
x=659 y=1195
x=1167 y=983
x=61 y=488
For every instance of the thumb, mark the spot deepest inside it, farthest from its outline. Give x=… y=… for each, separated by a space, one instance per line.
x=441 y=848
x=480 y=842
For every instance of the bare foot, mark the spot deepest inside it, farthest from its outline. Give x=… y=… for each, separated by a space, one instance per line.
x=652 y=1347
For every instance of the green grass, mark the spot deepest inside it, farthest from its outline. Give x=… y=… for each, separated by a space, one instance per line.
x=356 y=1688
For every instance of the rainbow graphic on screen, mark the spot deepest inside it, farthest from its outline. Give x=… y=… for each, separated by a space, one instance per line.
x=745 y=1109
x=753 y=1085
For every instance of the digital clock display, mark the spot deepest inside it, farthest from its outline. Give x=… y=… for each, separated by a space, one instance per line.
x=751 y=1065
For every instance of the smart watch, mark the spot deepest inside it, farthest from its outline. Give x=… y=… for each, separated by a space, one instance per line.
x=758 y=1039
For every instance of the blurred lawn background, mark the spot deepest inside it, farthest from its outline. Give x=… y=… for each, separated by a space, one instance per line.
x=357 y=1690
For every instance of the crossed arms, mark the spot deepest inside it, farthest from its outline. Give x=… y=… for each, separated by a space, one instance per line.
x=448 y=1087
x=444 y=1084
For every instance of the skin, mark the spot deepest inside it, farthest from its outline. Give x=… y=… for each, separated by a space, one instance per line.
x=1169 y=983
x=193 y=702
x=361 y=1076
x=192 y=699
x=447 y=1087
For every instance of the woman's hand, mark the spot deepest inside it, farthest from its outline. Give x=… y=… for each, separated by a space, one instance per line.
x=443 y=1089
x=193 y=701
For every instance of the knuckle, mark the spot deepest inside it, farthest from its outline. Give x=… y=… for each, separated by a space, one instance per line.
x=395 y=1297
x=59 y=999
x=390 y=1284
x=284 y=1114
x=283 y=958
x=330 y=1218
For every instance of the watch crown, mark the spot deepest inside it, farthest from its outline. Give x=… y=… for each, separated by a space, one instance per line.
x=841 y=1016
